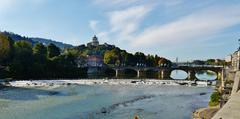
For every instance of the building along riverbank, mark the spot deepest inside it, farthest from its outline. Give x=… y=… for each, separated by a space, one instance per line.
x=232 y=108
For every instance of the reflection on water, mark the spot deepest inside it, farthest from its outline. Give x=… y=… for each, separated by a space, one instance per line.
x=179 y=74
x=103 y=102
x=201 y=75
x=206 y=75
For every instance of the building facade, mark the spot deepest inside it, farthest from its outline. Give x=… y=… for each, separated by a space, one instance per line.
x=94 y=42
x=236 y=60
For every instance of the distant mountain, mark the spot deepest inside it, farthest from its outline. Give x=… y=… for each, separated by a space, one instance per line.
x=35 y=40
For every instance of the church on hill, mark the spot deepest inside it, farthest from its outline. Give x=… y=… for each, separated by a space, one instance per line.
x=94 y=42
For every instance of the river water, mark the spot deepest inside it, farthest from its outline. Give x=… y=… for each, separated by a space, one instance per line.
x=103 y=102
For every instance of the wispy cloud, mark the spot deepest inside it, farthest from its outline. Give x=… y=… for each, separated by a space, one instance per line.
x=198 y=25
x=126 y=21
x=117 y=3
x=122 y=23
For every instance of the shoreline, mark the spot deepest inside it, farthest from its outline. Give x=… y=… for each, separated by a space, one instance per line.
x=42 y=83
x=206 y=112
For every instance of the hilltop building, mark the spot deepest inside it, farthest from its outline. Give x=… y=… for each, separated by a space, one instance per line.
x=94 y=42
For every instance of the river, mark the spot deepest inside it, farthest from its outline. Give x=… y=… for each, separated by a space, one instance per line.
x=102 y=102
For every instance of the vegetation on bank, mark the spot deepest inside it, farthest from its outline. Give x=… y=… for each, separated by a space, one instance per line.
x=211 y=62
x=214 y=99
x=23 y=60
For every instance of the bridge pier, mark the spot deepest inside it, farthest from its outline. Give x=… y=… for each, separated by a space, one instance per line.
x=141 y=73
x=117 y=71
x=191 y=75
x=219 y=75
x=164 y=74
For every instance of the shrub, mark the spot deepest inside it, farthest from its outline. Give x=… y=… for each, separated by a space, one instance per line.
x=214 y=99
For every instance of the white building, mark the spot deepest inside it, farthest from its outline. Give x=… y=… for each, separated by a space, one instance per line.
x=94 y=42
x=236 y=60
x=228 y=58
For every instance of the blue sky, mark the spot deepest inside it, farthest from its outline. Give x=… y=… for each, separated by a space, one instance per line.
x=188 y=29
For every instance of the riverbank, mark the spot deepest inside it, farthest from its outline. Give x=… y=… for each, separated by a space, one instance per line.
x=54 y=83
x=206 y=113
x=228 y=107
x=231 y=109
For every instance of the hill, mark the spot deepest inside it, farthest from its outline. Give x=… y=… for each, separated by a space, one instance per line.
x=35 y=40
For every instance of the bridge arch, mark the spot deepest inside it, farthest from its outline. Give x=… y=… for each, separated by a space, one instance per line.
x=165 y=72
x=179 y=74
x=207 y=74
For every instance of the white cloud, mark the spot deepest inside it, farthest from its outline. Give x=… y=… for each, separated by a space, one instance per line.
x=170 y=3
x=125 y=22
x=116 y=3
x=198 y=25
x=93 y=25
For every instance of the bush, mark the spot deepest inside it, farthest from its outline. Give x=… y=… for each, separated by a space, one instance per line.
x=214 y=100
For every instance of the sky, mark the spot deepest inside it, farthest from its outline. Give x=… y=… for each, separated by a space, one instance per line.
x=187 y=29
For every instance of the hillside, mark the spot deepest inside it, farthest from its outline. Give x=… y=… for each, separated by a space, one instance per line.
x=35 y=40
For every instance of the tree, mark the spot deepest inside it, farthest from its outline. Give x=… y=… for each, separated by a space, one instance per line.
x=214 y=99
x=52 y=51
x=21 y=66
x=40 y=49
x=6 y=48
x=40 y=52
x=140 y=58
x=128 y=59
x=164 y=62
x=112 y=57
x=22 y=49
x=40 y=61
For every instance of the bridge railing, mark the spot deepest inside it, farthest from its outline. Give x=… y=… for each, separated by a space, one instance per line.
x=194 y=65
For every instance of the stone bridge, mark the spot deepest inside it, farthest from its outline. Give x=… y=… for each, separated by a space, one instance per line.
x=165 y=72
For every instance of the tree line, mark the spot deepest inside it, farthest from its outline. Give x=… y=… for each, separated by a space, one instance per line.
x=114 y=56
x=22 y=60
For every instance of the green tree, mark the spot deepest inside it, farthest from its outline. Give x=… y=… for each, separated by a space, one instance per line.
x=214 y=99
x=130 y=60
x=164 y=62
x=150 y=61
x=52 y=51
x=21 y=66
x=112 y=57
x=40 y=61
x=6 y=49
x=140 y=58
x=40 y=50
